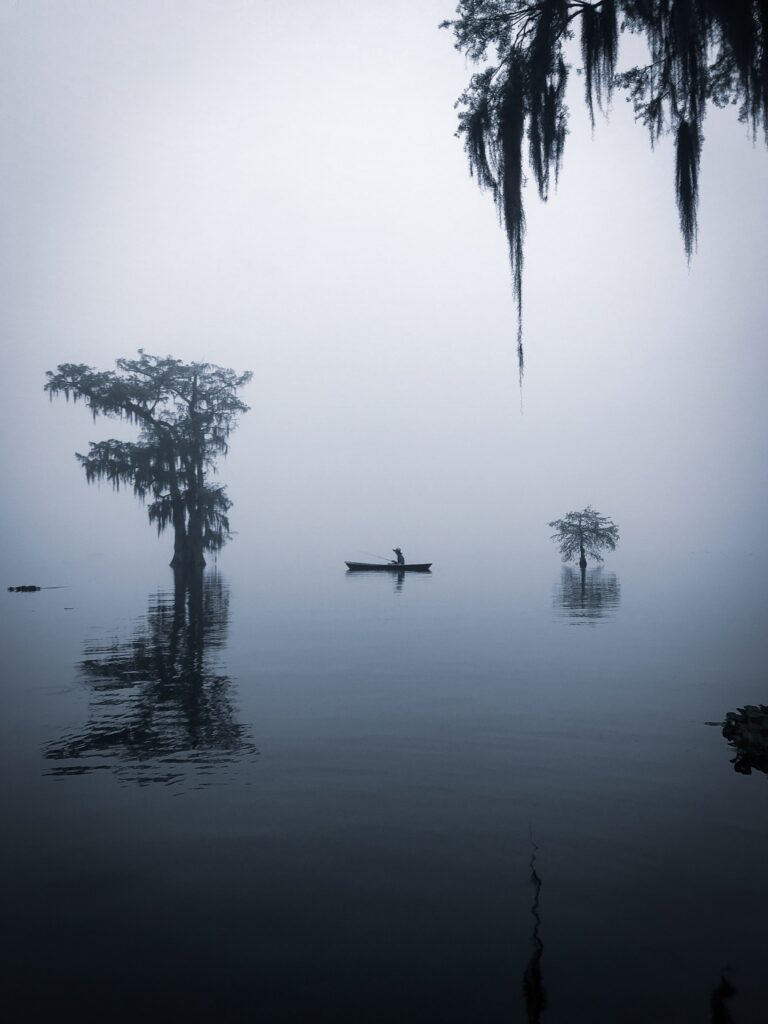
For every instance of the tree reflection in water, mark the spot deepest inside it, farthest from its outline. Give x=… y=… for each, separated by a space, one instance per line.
x=586 y=595
x=160 y=710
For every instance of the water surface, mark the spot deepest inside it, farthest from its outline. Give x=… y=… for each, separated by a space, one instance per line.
x=481 y=794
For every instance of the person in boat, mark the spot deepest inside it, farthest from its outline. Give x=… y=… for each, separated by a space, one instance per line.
x=399 y=559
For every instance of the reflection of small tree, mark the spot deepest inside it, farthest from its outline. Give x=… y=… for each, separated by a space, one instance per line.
x=588 y=595
x=584 y=533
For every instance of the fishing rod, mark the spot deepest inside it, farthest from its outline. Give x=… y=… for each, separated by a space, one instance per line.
x=372 y=554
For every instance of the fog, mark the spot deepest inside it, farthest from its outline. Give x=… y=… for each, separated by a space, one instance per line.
x=282 y=790
x=278 y=188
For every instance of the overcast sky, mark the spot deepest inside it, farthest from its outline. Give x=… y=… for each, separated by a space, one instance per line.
x=277 y=187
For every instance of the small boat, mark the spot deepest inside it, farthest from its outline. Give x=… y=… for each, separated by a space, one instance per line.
x=388 y=567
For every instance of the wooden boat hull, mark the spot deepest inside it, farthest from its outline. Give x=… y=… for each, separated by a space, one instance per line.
x=388 y=567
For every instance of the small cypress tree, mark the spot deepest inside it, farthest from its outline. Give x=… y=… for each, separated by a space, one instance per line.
x=584 y=533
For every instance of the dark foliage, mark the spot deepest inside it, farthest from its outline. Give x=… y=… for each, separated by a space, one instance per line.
x=185 y=413
x=584 y=533
x=747 y=732
x=699 y=51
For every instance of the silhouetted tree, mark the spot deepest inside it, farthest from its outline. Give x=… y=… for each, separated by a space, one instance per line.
x=160 y=706
x=584 y=533
x=699 y=51
x=534 y=992
x=185 y=412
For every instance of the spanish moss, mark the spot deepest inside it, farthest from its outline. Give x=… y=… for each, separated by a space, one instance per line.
x=687 y=161
x=185 y=413
x=699 y=51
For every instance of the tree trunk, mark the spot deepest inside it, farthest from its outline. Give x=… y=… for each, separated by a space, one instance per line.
x=181 y=545
x=188 y=548
x=195 y=532
x=195 y=546
x=196 y=487
x=583 y=559
x=181 y=557
x=181 y=551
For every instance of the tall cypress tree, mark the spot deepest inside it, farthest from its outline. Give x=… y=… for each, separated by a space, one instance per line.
x=185 y=413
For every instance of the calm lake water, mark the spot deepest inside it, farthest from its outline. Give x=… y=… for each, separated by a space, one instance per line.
x=485 y=794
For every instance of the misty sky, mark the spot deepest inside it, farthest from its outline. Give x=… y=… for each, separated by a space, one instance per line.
x=277 y=187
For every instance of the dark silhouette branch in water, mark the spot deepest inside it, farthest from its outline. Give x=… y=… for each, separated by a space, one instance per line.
x=717 y=1003
x=699 y=52
x=747 y=732
x=533 y=982
x=185 y=413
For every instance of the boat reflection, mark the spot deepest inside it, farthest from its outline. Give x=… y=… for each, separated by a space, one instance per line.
x=586 y=595
x=747 y=733
x=160 y=708
x=395 y=577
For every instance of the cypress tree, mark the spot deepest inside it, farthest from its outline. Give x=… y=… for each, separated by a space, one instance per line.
x=185 y=413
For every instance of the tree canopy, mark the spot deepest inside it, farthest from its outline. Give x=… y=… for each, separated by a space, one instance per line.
x=699 y=52
x=584 y=533
x=185 y=413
